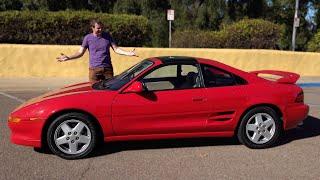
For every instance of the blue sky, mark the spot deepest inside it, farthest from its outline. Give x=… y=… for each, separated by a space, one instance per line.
x=311 y=13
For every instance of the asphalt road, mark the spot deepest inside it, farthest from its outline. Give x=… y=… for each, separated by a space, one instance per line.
x=297 y=157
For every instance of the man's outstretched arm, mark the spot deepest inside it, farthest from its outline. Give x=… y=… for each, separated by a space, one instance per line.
x=76 y=55
x=120 y=51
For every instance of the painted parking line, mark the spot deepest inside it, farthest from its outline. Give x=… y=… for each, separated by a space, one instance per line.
x=12 y=97
x=311 y=84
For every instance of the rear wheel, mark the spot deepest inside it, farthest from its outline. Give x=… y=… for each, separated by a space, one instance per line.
x=260 y=128
x=72 y=136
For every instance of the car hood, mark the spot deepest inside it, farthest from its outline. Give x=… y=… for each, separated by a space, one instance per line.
x=76 y=88
x=68 y=90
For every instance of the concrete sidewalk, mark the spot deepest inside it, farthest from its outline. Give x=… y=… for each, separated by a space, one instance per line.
x=45 y=84
x=30 y=84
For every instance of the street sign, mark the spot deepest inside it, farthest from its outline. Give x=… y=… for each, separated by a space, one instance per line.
x=170 y=17
x=170 y=14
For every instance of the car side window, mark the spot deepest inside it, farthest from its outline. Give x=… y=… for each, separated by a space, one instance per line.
x=214 y=77
x=185 y=69
x=166 y=71
x=170 y=77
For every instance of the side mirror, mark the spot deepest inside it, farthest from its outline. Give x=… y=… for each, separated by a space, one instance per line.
x=136 y=87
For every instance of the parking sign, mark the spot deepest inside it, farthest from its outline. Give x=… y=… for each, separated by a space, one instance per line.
x=170 y=14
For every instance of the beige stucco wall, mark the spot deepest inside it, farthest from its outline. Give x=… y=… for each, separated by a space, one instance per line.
x=39 y=60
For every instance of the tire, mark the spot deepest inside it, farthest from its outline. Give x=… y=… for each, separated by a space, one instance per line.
x=260 y=128
x=72 y=136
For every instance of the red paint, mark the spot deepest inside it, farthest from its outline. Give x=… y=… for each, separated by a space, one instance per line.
x=198 y=112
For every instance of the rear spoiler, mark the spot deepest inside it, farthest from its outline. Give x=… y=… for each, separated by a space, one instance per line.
x=287 y=77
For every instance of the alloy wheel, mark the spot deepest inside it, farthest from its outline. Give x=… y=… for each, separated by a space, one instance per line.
x=260 y=128
x=72 y=136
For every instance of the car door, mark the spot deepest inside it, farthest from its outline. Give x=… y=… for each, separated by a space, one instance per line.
x=226 y=95
x=175 y=102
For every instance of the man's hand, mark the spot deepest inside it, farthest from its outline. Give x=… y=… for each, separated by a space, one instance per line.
x=120 y=51
x=62 y=58
x=133 y=52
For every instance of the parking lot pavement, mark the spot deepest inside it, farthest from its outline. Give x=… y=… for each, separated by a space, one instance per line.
x=297 y=156
x=36 y=84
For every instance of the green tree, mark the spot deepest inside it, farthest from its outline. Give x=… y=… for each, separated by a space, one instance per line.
x=127 y=7
x=200 y=14
x=10 y=5
x=101 y=5
x=316 y=6
x=210 y=15
x=314 y=43
x=35 y=5
x=155 y=11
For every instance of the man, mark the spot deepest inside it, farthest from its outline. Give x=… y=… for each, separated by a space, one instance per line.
x=98 y=43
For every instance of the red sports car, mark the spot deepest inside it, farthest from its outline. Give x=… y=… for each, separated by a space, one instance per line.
x=160 y=98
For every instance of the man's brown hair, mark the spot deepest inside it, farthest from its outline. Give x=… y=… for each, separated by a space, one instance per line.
x=94 y=21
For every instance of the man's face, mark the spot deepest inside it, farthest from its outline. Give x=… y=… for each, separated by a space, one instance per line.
x=97 y=29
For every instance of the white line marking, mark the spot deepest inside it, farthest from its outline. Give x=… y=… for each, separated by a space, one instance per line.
x=12 y=97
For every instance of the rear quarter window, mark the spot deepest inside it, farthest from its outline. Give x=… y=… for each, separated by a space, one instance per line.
x=215 y=77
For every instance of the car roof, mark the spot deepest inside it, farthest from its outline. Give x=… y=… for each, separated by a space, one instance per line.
x=176 y=59
x=187 y=60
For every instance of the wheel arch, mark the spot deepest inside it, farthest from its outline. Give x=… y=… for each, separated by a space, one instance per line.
x=55 y=115
x=272 y=106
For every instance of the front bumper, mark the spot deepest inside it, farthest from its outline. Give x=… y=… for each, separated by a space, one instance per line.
x=295 y=114
x=26 y=132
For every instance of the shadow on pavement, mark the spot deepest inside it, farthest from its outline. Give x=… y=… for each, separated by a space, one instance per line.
x=310 y=128
x=114 y=147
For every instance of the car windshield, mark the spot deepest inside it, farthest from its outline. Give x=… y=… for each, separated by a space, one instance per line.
x=120 y=80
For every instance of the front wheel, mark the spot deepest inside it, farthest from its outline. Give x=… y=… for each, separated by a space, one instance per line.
x=260 y=128
x=72 y=136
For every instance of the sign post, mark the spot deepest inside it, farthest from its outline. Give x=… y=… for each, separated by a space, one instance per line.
x=296 y=24
x=170 y=17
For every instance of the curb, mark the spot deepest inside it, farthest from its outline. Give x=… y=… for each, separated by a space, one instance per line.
x=311 y=84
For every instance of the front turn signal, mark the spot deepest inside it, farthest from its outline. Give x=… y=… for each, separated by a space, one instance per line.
x=14 y=119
